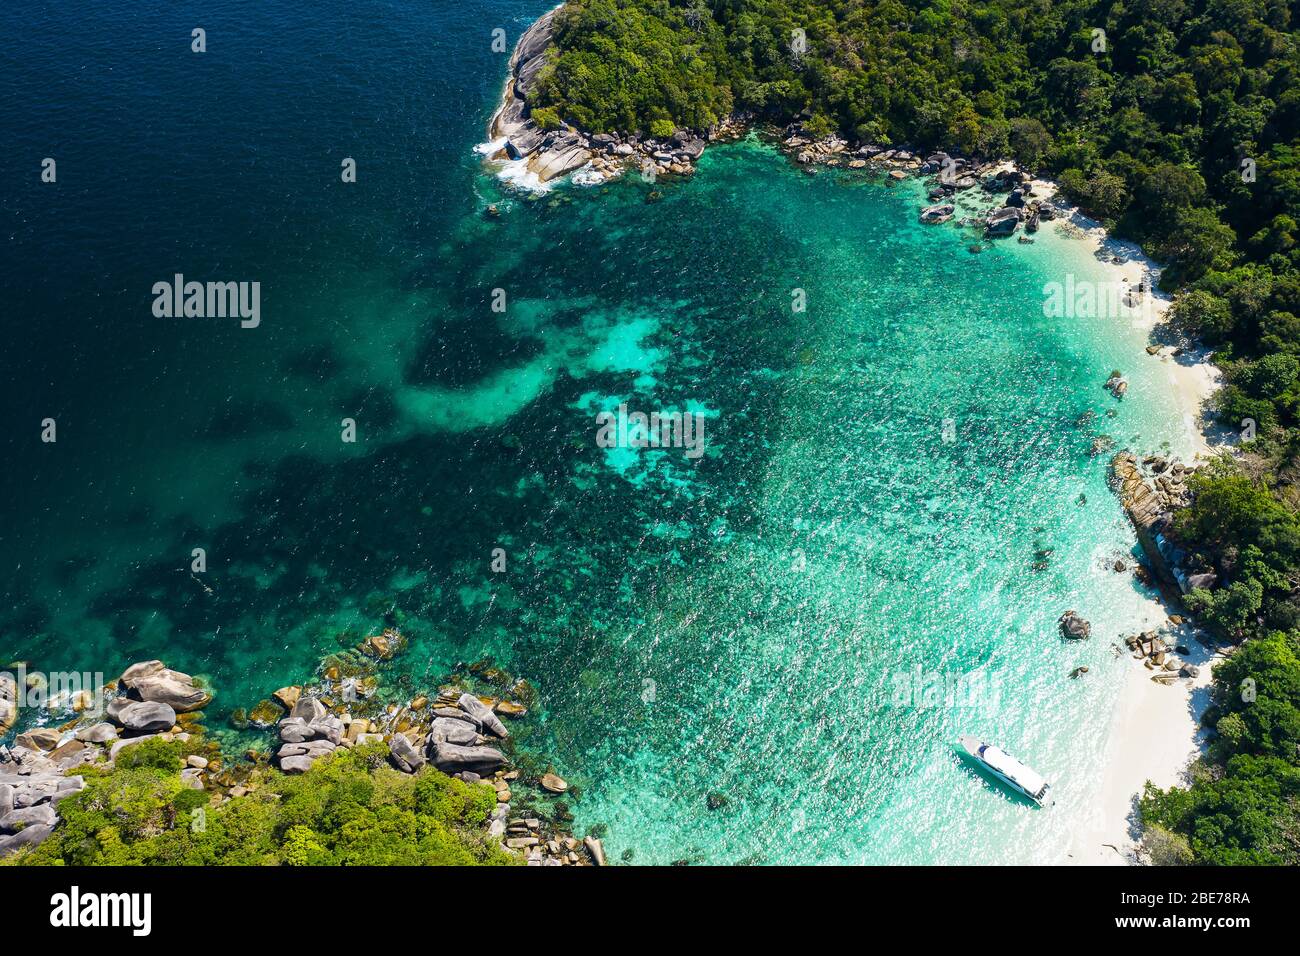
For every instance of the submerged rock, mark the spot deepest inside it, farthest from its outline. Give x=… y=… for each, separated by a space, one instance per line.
x=938 y=213
x=1073 y=626
x=554 y=783
x=264 y=715
x=1117 y=384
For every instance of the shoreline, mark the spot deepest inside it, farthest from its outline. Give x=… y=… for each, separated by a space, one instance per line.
x=456 y=725
x=1190 y=370
x=1154 y=731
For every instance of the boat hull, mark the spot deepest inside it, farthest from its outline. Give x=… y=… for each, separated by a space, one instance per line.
x=973 y=747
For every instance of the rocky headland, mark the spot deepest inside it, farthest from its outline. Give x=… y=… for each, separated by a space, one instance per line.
x=548 y=154
x=959 y=187
x=1151 y=490
x=457 y=728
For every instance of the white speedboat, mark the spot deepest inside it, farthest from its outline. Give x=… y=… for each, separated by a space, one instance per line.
x=1006 y=768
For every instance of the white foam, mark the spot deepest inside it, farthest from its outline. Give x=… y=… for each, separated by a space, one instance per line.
x=491 y=146
x=515 y=172
x=587 y=176
x=512 y=172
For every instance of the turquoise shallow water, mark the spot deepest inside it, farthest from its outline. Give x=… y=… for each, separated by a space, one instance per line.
x=768 y=624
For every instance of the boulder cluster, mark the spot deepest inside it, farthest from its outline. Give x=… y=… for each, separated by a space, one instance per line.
x=141 y=704
x=456 y=731
x=1151 y=490
x=8 y=702
x=938 y=213
x=1019 y=206
x=455 y=739
x=32 y=783
x=951 y=176
x=810 y=151
x=675 y=155
x=1157 y=655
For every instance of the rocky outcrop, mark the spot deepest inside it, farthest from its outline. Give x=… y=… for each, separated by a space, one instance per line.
x=1151 y=490
x=453 y=729
x=8 y=702
x=454 y=759
x=459 y=732
x=39 y=739
x=151 y=681
x=100 y=733
x=1159 y=654
x=405 y=754
x=457 y=745
x=141 y=716
x=32 y=784
x=1074 y=627
x=308 y=733
x=482 y=715
x=549 y=154
x=1003 y=221
x=938 y=213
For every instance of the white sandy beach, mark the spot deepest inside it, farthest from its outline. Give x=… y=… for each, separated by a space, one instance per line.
x=1155 y=731
x=1154 y=734
x=1192 y=377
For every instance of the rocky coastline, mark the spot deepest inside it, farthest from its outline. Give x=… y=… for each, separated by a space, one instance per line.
x=457 y=728
x=547 y=154
x=1152 y=490
x=962 y=190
